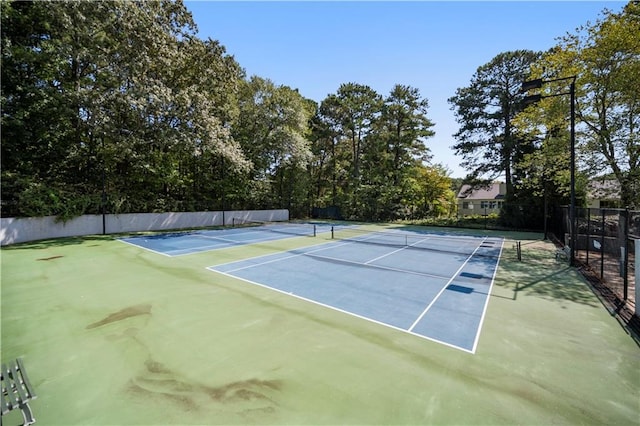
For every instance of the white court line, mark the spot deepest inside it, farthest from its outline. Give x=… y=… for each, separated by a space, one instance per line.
x=144 y=248
x=226 y=240
x=343 y=311
x=444 y=288
x=204 y=248
x=201 y=249
x=181 y=252
x=384 y=255
x=338 y=260
x=279 y=259
x=486 y=303
x=395 y=251
x=408 y=331
x=369 y=265
x=239 y=241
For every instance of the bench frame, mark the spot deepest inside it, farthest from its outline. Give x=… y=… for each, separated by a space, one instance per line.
x=16 y=390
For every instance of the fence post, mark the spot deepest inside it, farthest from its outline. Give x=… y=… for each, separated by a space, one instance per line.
x=602 y=246
x=486 y=217
x=588 y=233
x=624 y=255
x=564 y=211
x=637 y=244
x=546 y=214
x=577 y=211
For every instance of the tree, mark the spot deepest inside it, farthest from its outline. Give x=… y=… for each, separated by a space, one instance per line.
x=484 y=109
x=350 y=114
x=606 y=58
x=545 y=171
x=404 y=127
x=368 y=148
x=325 y=169
x=396 y=146
x=113 y=97
x=46 y=78
x=118 y=107
x=353 y=110
x=272 y=130
x=331 y=153
x=432 y=195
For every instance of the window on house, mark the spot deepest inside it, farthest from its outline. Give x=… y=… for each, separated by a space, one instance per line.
x=489 y=205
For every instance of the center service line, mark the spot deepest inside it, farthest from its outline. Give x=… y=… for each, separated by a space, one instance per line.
x=445 y=287
x=395 y=251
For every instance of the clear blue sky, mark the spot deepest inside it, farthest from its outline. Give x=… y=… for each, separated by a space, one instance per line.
x=433 y=46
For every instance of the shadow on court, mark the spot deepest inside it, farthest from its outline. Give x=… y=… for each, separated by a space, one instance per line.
x=535 y=276
x=60 y=242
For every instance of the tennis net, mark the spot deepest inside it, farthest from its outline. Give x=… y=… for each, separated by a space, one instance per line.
x=452 y=244
x=291 y=228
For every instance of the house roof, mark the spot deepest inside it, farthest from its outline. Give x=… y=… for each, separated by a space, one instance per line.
x=491 y=193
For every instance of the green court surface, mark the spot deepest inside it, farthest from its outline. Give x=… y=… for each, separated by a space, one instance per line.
x=112 y=334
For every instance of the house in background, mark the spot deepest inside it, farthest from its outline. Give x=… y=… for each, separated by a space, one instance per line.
x=481 y=201
x=604 y=193
x=601 y=193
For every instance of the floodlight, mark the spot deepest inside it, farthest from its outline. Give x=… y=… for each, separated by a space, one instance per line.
x=532 y=99
x=531 y=84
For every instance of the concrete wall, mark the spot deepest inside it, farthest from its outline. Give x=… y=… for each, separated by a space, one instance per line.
x=19 y=230
x=259 y=215
x=134 y=222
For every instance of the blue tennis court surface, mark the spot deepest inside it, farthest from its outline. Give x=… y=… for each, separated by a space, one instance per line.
x=182 y=243
x=433 y=286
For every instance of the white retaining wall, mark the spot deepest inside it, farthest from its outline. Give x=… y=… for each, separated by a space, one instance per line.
x=19 y=230
x=134 y=222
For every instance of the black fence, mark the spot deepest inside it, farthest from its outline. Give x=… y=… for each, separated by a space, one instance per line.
x=605 y=247
x=331 y=212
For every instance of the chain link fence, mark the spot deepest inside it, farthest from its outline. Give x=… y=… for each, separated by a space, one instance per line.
x=605 y=249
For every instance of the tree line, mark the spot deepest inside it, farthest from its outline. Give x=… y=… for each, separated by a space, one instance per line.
x=120 y=107
x=529 y=145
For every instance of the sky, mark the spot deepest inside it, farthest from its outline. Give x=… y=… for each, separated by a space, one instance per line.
x=434 y=46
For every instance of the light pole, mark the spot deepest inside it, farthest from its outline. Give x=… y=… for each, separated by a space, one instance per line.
x=531 y=99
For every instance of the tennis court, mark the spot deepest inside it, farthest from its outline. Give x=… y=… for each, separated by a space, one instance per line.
x=183 y=243
x=118 y=334
x=433 y=286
